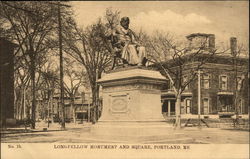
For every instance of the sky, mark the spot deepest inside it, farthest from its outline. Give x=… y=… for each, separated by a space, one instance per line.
x=222 y=18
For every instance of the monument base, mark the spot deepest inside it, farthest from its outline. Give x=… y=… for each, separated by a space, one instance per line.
x=132 y=109
x=132 y=94
x=130 y=128
x=137 y=132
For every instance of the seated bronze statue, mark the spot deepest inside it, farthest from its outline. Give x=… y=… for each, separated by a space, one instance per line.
x=125 y=47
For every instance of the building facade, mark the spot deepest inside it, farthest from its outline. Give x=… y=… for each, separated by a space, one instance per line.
x=81 y=104
x=223 y=85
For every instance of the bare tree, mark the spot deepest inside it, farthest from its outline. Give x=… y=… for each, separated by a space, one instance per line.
x=176 y=62
x=76 y=79
x=240 y=73
x=91 y=49
x=49 y=84
x=31 y=24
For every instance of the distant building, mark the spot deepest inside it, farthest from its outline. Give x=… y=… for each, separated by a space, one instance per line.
x=82 y=104
x=218 y=83
x=82 y=107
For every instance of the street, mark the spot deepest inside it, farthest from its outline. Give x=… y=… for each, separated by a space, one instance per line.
x=80 y=133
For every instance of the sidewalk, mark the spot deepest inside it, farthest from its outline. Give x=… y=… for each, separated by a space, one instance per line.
x=43 y=127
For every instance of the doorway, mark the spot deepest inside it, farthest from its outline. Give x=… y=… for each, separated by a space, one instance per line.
x=226 y=104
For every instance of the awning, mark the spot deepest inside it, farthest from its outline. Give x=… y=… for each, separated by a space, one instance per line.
x=171 y=93
x=225 y=93
x=187 y=94
x=81 y=111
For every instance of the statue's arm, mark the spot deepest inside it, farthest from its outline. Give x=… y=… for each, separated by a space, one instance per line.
x=134 y=38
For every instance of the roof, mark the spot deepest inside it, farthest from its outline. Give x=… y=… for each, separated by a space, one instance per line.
x=198 y=34
x=220 y=59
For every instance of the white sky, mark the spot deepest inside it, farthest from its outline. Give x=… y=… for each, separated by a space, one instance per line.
x=222 y=18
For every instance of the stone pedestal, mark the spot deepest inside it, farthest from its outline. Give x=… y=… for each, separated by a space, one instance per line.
x=132 y=94
x=132 y=109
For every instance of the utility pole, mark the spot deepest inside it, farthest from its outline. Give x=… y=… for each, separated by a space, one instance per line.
x=97 y=104
x=199 y=98
x=61 y=62
x=88 y=107
x=235 y=98
x=61 y=68
x=233 y=48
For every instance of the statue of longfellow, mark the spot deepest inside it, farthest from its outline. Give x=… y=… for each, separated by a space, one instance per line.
x=125 y=45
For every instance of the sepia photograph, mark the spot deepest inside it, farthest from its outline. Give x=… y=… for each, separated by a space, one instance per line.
x=124 y=79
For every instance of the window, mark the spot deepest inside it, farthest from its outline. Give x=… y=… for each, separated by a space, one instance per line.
x=206 y=81
x=223 y=82
x=188 y=106
x=239 y=83
x=206 y=106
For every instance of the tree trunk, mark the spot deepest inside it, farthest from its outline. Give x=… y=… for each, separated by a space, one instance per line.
x=52 y=106
x=21 y=110
x=94 y=104
x=178 y=111
x=48 y=106
x=72 y=107
x=24 y=115
x=97 y=103
x=33 y=107
x=74 y=114
x=16 y=106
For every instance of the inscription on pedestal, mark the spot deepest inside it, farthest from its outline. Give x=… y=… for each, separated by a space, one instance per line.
x=119 y=103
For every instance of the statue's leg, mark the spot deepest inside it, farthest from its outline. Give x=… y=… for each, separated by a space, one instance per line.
x=144 y=61
x=125 y=54
x=133 y=56
x=142 y=55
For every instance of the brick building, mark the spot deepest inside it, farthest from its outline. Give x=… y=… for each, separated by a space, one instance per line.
x=220 y=81
x=82 y=104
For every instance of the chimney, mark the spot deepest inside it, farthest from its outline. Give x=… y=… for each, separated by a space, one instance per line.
x=233 y=45
x=211 y=41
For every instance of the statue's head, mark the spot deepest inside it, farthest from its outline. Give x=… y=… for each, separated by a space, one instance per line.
x=125 y=22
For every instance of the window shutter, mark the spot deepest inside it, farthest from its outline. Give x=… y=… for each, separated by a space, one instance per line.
x=202 y=81
x=227 y=82
x=209 y=80
x=242 y=106
x=220 y=82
